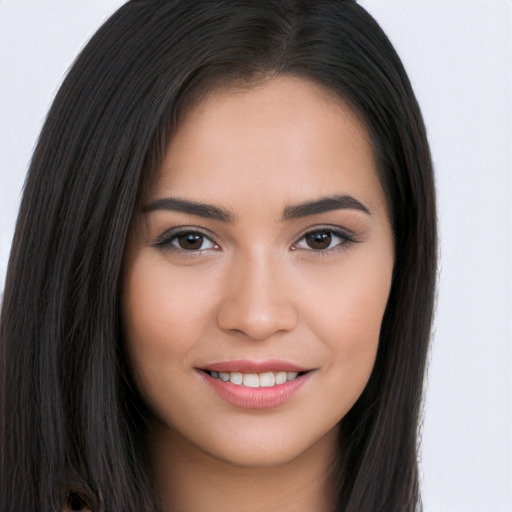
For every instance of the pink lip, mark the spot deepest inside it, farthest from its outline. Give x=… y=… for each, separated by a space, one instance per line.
x=254 y=398
x=248 y=366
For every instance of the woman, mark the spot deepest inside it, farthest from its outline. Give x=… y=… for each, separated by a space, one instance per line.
x=220 y=289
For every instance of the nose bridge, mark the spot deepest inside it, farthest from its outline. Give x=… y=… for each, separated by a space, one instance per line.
x=256 y=299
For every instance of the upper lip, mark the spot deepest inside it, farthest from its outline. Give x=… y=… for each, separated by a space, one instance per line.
x=248 y=366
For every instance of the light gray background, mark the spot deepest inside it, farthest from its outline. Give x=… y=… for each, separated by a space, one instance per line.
x=458 y=55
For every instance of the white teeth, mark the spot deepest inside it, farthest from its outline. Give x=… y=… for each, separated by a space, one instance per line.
x=256 y=380
x=280 y=377
x=267 y=379
x=236 y=377
x=251 y=380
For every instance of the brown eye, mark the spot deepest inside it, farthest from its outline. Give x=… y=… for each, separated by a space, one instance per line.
x=319 y=240
x=186 y=241
x=190 y=241
x=323 y=240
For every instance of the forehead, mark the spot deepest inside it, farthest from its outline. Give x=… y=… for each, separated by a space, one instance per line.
x=284 y=135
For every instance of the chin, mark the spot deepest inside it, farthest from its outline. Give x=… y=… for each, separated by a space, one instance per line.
x=269 y=449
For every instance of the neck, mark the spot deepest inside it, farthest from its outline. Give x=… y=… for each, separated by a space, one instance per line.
x=191 y=480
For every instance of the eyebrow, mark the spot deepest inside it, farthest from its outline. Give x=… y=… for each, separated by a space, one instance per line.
x=322 y=205
x=192 y=207
x=209 y=211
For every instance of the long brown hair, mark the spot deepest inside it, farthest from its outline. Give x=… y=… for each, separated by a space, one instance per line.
x=72 y=423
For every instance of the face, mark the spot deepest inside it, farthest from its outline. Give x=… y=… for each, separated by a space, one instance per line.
x=257 y=277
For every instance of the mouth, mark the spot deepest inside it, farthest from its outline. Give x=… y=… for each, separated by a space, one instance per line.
x=256 y=380
x=255 y=385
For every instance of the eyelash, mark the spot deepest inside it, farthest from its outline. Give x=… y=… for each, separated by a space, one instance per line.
x=345 y=240
x=167 y=239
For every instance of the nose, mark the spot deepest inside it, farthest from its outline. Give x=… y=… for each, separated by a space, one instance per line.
x=257 y=299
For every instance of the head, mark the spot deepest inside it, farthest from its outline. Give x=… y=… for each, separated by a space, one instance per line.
x=137 y=83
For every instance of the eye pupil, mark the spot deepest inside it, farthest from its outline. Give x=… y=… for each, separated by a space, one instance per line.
x=190 y=241
x=319 y=240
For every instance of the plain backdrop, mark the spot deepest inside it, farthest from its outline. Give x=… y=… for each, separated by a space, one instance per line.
x=458 y=55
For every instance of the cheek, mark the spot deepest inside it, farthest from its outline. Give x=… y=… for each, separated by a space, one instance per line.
x=346 y=313
x=164 y=314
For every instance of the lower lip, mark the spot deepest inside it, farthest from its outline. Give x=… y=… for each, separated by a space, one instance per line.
x=256 y=398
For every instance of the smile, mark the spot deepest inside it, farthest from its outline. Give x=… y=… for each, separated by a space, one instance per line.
x=255 y=380
x=255 y=385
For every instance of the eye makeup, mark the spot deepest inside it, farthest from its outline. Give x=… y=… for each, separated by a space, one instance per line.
x=317 y=239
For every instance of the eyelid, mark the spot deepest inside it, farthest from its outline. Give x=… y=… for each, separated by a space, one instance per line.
x=165 y=239
x=346 y=235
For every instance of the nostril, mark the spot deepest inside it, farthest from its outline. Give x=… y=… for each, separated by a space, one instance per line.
x=257 y=320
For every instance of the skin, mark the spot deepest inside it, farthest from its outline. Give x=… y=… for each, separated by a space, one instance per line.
x=256 y=289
